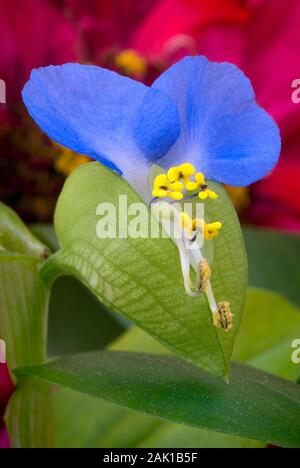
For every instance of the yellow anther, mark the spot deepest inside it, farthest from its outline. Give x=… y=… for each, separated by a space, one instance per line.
x=200 y=179
x=164 y=188
x=176 y=186
x=175 y=195
x=205 y=193
x=191 y=226
x=131 y=62
x=223 y=317
x=212 y=230
x=174 y=174
x=161 y=181
x=204 y=275
x=200 y=182
x=212 y=195
x=186 y=222
x=198 y=224
x=187 y=170
x=190 y=185
x=183 y=172
x=159 y=193
x=179 y=178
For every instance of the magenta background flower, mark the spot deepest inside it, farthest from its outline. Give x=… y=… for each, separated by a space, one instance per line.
x=48 y=37
x=4 y=440
x=104 y=25
x=172 y=22
x=6 y=389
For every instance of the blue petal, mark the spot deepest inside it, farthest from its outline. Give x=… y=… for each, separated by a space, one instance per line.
x=101 y=114
x=157 y=125
x=223 y=131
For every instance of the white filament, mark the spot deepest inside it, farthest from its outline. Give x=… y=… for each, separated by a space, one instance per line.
x=190 y=255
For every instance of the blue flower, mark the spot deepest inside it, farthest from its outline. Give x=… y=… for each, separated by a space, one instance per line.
x=198 y=111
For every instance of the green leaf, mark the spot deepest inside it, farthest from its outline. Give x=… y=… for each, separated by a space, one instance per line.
x=101 y=424
x=274 y=262
x=105 y=425
x=254 y=404
x=141 y=278
x=23 y=306
x=169 y=435
x=270 y=325
x=16 y=237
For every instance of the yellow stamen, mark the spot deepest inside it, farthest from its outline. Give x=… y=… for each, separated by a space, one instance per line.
x=179 y=178
x=164 y=188
x=186 y=221
x=160 y=181
x=173 y=174
x=212 y=195
x=190 y=185
x=159 y=193
x=175 y=195
x=175 y=186
x=183 y=172
x=186 y=224
x=198 y=224
x=223 y=317
x=131 y=62
x=200 y=179
x=204 y=275
x=187 y=170
x=212 y=230
x=203 y=195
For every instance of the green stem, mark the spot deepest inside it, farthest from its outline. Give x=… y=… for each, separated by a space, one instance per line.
x=51 y=270
x=29 y=415
x=23 y=325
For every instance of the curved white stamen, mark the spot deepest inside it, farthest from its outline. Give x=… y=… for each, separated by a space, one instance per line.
x=170 y=220
x=185 y=268
x=189 y=257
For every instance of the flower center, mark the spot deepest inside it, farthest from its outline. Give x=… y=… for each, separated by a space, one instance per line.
x=180 y=181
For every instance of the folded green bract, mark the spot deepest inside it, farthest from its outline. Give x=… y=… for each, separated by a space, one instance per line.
x=141 y=278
